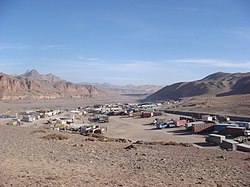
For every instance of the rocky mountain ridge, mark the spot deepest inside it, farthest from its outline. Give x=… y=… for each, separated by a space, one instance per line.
x=217 y=84
x=33 y=85
x=35 y=75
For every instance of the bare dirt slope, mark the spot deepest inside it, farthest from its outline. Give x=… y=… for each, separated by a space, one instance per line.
x=217 y=84
x=238 y=105
x=27 y=159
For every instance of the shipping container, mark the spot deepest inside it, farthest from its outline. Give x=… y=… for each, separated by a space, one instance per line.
x=221 y=127
x=243 y=124
x=203 y=128
x=235 y=131
x=229 y=145
x=157 y=113
x=187 y=118
x=180 y=123
x=146 y=114
x=207 y=118
x=190 y=124
x=243 y=147
x=215 y=139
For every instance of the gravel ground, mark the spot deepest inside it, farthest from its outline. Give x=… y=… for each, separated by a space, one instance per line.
x=29 y=159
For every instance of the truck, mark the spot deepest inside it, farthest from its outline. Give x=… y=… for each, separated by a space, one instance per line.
x=162 y=123
x=90 y=129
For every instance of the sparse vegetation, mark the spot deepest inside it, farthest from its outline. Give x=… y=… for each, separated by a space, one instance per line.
x=38 y=131
x=56 y=136
x=102 y=138
x=247 y=159
x=91 y=139
x=163 y=143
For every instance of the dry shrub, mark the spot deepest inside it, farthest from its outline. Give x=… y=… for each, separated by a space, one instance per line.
x=38 y=131
x=52 y=178
x=247 y=159
x=219 y=184
x=149 y=142
x=97 y=135
x=55 y=136
x=122 y=140
x=173 y=143
x=163 y=143
x=91 y=139
x=102 y=138
x=179 y=144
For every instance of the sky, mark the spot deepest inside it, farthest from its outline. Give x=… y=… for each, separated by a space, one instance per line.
x=125 y=41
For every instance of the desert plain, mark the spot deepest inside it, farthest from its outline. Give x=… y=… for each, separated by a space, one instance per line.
x=130 y=153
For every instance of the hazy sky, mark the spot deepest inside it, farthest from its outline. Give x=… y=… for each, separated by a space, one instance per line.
x=125 y=41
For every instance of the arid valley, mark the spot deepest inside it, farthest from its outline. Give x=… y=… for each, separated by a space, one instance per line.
x=132 y=152
x=124 y=93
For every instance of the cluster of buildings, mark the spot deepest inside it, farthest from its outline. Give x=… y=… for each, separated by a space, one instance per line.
x=32 y=116
x=66 y=119
x=71 y=119
x=220 y=130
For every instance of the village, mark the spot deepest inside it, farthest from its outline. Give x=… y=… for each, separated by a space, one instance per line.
x=139 y=122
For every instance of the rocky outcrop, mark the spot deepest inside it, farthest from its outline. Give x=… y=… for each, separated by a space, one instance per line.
x=33 y=85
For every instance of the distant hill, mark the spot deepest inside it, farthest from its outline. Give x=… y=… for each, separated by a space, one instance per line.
x=127 y=89
x=35 y=75
x=217 y=84
x=33 y=85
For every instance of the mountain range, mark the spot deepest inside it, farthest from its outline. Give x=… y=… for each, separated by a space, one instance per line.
x=33 y=85
x=128 y=89
x=217 y=84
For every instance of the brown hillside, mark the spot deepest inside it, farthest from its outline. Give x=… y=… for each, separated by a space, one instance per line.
x=38 y=86
x=218 y=84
